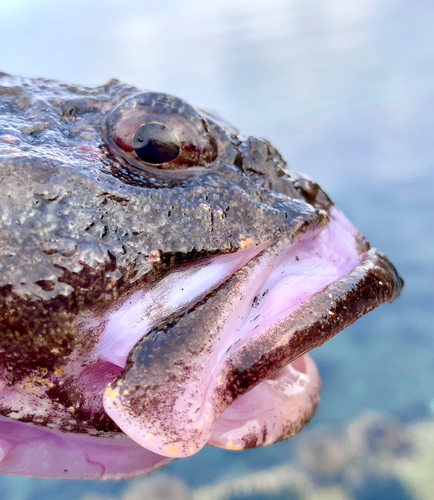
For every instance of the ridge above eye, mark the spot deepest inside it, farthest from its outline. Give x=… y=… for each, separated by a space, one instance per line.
x=160 y=134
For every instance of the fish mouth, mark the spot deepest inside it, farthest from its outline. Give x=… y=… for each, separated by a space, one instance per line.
x=215 y=352
x=229 y=366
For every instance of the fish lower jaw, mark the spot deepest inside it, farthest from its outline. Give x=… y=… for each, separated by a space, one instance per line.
x=233 y=371
x=274 y=410
x=175 y=396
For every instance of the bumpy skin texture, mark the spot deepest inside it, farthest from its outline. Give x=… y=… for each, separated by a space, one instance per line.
x=79 y=229
x=83 y=228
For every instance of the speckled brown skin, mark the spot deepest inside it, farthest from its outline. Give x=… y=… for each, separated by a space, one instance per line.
x=80 y=227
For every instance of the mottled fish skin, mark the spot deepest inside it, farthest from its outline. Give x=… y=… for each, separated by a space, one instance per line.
x=79 y=230
x=86 y=225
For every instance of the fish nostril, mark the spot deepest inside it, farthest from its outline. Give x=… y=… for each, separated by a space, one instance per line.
x=312 y=193
x=307 y=188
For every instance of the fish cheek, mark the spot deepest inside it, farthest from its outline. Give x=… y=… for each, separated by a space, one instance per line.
x=29 y=341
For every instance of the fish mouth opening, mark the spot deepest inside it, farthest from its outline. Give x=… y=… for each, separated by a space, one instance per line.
x=214 y=353
x=229 y=368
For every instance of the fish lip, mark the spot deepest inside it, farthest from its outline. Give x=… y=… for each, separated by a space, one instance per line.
x=367 y=280
x=374 y=281
x=322 y=316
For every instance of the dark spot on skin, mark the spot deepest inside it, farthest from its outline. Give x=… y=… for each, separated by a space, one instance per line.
x=76 y=107
x=47 y=285
x=264 y=434
x=250 y=441
x=113 y=197
x=307 y=188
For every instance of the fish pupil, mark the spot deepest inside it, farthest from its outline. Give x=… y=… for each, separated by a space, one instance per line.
x=156 y=144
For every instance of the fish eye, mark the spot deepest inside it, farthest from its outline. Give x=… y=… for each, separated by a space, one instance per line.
x=160 y=134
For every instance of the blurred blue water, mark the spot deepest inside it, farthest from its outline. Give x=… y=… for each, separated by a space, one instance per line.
x=345 y=91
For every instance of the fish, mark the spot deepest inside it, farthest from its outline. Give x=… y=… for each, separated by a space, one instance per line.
x=163 y=279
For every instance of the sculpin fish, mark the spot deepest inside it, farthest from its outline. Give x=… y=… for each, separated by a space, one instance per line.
x=162 y=279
